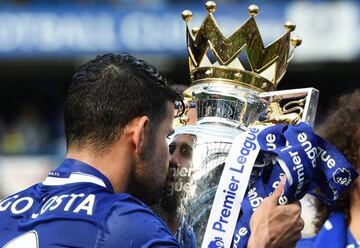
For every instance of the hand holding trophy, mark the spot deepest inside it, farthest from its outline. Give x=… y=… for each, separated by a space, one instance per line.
x=274 y=225
x=244 y=137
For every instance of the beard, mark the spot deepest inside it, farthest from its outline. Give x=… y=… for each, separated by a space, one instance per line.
x=172 y=194
x=148 y=178
x=168 y=205
x=170 y=199
x=144 y=189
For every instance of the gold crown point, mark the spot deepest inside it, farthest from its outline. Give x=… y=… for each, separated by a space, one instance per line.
x=253 y=10
x=289 y=26
x=227 y=51
x=195 y=30
x=210 y=6
x=296 y=41
x=186 y=15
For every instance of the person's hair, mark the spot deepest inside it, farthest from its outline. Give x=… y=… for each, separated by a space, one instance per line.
x=107 y=93
x=341 y=128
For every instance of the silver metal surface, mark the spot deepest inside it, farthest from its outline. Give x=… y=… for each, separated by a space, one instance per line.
x=223 y=111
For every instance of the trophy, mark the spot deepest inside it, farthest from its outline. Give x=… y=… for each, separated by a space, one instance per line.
x=224 y=100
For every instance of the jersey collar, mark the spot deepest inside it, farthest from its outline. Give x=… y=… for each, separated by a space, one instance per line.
x=75 y=171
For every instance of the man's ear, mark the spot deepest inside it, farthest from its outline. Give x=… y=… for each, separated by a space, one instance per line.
x=139 y=128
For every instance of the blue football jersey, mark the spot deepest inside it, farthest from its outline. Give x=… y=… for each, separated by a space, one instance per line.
x=75 y=206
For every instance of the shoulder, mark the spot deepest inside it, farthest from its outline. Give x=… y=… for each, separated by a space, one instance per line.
x=131 y=223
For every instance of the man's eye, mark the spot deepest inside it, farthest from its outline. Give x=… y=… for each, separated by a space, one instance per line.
x=172 y=148
x=186 y=150
x=170 y=134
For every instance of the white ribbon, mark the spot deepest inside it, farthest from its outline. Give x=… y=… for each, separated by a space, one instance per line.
x=232 y=188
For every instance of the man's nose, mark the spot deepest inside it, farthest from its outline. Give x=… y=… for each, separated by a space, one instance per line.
x=174 y=161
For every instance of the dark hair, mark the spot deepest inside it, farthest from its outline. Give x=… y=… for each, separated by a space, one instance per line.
x=342 y=129
x=109 y=91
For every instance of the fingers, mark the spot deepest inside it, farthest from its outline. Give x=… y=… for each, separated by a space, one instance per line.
x=278 y=191
x=301 y=224
x=296 y=236
x=295 y=207
x=294 y=212
x=297 y=203
x=277 y=225
x=291 y=235
x=294 y=239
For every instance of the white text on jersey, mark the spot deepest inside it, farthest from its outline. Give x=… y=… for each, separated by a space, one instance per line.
x=20 y=205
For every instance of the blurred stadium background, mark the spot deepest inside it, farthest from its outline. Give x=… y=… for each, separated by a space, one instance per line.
x=42 y=43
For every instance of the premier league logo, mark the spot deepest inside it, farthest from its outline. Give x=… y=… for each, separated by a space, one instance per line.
x=342 y=176
x=216 y=243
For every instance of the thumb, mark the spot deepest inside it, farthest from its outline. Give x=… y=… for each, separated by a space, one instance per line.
x=278 y=191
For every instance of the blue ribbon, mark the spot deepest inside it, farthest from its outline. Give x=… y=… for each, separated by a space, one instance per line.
x=308 y=161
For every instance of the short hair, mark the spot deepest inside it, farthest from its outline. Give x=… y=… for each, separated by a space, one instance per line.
x=107 y=93
x=341 y=128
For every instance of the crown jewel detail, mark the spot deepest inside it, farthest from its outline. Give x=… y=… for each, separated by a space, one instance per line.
x=268 y=64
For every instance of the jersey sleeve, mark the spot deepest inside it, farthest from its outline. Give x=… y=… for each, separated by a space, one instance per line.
x=129 y=223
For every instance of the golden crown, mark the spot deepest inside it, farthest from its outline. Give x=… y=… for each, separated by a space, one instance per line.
x=268 y=64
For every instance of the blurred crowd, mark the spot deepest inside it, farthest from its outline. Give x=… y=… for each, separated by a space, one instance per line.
x=32 y=133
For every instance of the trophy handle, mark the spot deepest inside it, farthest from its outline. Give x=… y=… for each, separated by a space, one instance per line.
x=290 y=106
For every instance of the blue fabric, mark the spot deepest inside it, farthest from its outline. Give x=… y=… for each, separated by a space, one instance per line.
x=311 y=163
x=334 y=234
x=81 y=214
x=186 y=236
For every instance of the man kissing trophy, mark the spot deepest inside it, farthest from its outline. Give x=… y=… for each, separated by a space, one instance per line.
x=227 y=109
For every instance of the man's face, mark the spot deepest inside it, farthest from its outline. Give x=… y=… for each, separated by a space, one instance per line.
x=181 y=149
x=150 y=175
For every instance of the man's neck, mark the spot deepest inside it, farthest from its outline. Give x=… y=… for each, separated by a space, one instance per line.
x=355 y=212
x=171 y=221
x=110 y=163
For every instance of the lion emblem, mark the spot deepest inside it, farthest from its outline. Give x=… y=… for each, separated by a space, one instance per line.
x=217 y=243
x=286 y=114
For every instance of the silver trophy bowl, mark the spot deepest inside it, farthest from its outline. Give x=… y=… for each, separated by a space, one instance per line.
x=222 y=112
